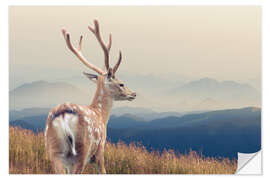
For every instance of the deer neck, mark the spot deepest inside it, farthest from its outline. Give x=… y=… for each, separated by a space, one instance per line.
x=102 y=101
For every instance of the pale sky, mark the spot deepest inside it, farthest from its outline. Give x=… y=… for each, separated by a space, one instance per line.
x=193 y=41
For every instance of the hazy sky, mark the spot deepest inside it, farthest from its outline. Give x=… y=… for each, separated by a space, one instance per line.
x=193 y=41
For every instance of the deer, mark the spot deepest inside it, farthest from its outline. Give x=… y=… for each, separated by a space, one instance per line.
x=76 y=134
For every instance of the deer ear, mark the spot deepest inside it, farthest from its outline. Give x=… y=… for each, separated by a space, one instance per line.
x=92 y=77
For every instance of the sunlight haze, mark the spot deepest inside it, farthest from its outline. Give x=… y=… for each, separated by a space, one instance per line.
x=175 y=57
x=192 y=41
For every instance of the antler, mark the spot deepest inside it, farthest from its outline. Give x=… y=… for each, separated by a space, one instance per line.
x=118 y=63
x=78 y=52
x=106 y=49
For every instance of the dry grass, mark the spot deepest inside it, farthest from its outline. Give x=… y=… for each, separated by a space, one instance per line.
x=27 y=156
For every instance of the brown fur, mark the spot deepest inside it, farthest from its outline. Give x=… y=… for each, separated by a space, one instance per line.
x=99 y=119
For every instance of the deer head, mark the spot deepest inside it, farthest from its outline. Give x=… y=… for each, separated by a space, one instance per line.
x=105 y=78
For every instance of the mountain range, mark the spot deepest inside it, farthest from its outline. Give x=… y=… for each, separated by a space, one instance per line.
x=142 y=114
x=214 y=133
x=208 y=94
x=45 y=94
x=198 y=95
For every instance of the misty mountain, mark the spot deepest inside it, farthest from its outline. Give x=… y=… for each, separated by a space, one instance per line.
x=131 y=110
x=152 y=93
x=209 y=93
x=208 y=103
x=44 y=94
x=142 y=114
x=34 y=123
x=149 y=82
x=151 y=89
x=139 y=82
x=28 y=112
x=220 y=133
x=237 y=117
x=255 y=82
x=24 y=125
x=125 y=121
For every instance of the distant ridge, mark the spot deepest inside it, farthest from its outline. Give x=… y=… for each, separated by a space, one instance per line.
x=209 y=94
x=153 y=93
x=45 y=94
x=220 y=133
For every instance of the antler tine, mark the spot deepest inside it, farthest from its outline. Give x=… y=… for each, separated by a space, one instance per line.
x=105 y=49
x=80 y=43
x=118 y=63
x=78 y=52
x=110 y=42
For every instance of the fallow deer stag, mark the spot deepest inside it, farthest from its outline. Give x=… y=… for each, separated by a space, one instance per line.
x=76 y=134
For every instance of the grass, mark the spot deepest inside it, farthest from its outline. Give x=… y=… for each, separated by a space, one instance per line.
x=27 y=156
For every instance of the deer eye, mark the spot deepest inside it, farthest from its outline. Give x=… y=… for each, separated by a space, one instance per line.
x=121 y=85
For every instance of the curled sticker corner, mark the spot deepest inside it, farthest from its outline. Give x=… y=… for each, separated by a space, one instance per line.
x=249 y=163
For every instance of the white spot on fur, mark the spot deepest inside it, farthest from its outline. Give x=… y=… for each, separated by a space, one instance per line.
x=97 y=130
x=74 y=120
x=55 y=123
x=86 y=119
x=89 y=129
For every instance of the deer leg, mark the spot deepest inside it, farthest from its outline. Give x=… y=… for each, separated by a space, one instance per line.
x=93 y=161
x=100 y=159
x=58 y=166
x=101 y=165
x=77 y=168
x=78 y=165
x=97 y=168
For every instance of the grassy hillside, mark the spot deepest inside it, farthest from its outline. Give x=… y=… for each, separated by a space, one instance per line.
x=27 y=156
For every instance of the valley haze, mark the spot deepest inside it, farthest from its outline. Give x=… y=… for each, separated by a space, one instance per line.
x=175 y=42
x=153 y=93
